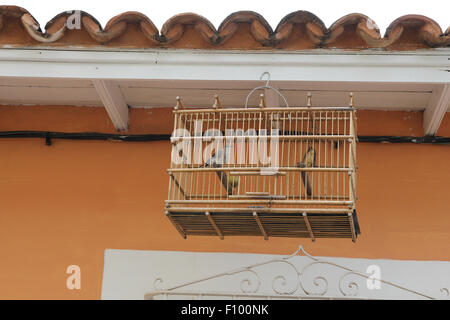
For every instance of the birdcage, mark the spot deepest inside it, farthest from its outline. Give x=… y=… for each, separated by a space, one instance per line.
x=264 y=171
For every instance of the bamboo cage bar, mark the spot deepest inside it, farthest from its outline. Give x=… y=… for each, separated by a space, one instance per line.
x=352 y=227
x=210 y=219
x=257 y=171
x=226 y=196
x=281 y=137
x=266 y=237
x=275 y=172
x=260 y=201
x=177 y=184
x=282 y=109
x=269 y=197
x=308 y=225
x=249 y=209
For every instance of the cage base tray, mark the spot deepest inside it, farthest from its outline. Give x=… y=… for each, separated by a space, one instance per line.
x=266 y=224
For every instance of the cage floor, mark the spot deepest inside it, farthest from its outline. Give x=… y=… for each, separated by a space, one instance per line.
x=273 y=224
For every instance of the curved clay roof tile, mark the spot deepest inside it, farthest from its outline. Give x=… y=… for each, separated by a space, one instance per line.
x=259 y=27
x=13 y=11
x=146 y=25
x=314 y=26
x=30 y=24
x=33 y=29
x=59 y=24
x=355 y=19
x=103 y=36
x=354 y=31
x=428 y=31
x=175 y=27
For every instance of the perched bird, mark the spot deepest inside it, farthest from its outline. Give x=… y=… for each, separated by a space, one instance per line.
x=233 y=181
x=229 y=182
x=216 y=161
x=309 y=160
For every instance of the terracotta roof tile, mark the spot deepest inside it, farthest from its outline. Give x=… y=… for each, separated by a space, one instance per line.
x=240 y=30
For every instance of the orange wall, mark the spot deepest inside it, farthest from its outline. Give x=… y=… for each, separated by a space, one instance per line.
x=65 y=204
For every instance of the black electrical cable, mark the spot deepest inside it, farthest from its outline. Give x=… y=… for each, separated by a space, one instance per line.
x=402 y=139
x=48 y=136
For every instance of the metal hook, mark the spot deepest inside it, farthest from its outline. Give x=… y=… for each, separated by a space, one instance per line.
x=266 y=86
x=179 y=104
x=268 y=77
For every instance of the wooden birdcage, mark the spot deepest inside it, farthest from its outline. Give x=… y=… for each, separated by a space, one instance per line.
x=271 y=172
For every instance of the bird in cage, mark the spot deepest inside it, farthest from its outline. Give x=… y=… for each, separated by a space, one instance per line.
x=233 y=182
x=229 y=182
x=216 y=160
x=309 y=160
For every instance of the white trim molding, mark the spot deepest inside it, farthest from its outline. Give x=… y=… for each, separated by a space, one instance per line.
x=112 y=98
x=411 y=67
x=438 y=105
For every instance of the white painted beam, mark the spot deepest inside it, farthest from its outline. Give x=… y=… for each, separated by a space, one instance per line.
x=112 y=98
x=438 y=105
x=428 y=66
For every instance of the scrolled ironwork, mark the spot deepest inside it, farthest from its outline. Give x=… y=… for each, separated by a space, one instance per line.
x=279 y=282
x=249 y=284
x=252 y=283
x=158 y=284
x=352 y=286
x=316 y=281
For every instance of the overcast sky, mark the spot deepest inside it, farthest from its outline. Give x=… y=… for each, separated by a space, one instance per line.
x=383 y=12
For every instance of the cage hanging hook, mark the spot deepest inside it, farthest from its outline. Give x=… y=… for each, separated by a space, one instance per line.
x=268 y=77
x=266 y=86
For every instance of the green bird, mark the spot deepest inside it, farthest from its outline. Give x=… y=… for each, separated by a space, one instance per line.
x=228 y=182
x=309 y=160
x=233 y=181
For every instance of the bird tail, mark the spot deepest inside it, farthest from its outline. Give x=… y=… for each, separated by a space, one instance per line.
x=224 y=179
x=305 y=179
x=309 y=160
